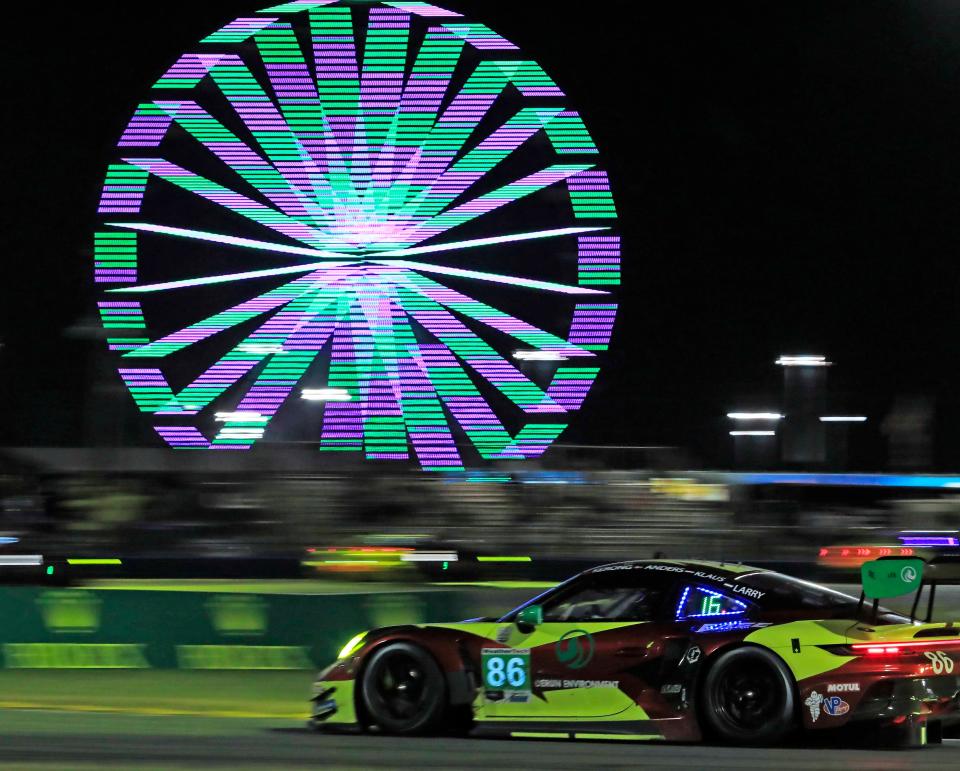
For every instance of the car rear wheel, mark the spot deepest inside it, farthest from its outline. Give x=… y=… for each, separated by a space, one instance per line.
x=748 y=696
x=403 y=690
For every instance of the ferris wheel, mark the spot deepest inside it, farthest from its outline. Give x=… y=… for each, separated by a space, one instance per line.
x=376 y=226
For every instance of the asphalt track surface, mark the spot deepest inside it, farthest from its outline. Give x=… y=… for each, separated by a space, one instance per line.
x=50 y=740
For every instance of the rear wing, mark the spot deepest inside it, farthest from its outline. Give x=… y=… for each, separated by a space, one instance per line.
x=939 y=571
x=893 y=577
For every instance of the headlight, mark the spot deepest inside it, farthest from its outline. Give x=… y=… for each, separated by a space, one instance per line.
x=353 y=646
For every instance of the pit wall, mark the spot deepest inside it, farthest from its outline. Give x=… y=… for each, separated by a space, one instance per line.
x=45 y=628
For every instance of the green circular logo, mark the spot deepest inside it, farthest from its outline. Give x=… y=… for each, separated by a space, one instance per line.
x=575 y=649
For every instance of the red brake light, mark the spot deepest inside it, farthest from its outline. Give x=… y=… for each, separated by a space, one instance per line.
x=879 y=649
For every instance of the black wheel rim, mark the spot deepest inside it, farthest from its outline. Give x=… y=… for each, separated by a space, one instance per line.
x=749 y=695
x=399 y=686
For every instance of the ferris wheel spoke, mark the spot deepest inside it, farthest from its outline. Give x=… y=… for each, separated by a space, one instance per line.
x=488 y=315
x=450 y=132
x=482 y=159
x=294 y=327
x=318 y=266
x=236 y=202
x=477 y=353
x=234 y=316
x=279 y=188
x=231 y=277
x=272 y=128
x=489 y=241
x=227 y=240
x=270 y=246
x=496 y=199
x=498 y=278
x=308 y=267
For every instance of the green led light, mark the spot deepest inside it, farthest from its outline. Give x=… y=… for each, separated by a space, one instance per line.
x=504 y=559
x=111 y=561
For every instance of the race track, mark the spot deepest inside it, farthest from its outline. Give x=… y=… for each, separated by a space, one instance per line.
x=38 y=739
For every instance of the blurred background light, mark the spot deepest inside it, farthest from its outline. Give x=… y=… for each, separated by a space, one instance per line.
x=9 y=560
x=803 y=361
x=326 y=395
x=538 y=356
x=240 y=417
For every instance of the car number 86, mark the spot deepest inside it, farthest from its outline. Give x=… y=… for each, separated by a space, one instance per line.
x=507 y=671
x=940 y=662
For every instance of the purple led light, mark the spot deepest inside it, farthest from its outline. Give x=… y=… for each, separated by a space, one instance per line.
x=938 y=540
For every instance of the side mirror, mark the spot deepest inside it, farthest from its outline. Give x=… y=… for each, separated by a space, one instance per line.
x=529 y=618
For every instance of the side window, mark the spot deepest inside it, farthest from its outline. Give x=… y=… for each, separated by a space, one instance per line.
x=604 y=600
x=698 y=601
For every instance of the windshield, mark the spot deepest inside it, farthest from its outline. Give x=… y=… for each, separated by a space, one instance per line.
x=621 y=595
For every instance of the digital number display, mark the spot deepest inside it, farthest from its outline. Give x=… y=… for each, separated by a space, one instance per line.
x=710 y=606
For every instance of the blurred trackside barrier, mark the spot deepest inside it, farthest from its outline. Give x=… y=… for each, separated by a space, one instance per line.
x=46 y=628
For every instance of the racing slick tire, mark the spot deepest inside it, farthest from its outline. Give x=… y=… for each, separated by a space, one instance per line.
x=403 y=691
x=748 y=696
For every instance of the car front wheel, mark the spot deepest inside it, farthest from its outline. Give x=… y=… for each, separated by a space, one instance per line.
x=403 y=690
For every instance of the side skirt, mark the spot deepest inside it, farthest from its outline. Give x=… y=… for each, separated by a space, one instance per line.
x=639 y=730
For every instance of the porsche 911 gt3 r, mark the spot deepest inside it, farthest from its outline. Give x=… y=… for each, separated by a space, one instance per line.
x=664 y=650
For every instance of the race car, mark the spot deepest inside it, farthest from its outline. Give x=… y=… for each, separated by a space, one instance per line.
x=674 y=650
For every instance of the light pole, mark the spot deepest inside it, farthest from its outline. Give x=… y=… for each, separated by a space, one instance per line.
x=838 y=430
x=804 y=400
x=754 y=441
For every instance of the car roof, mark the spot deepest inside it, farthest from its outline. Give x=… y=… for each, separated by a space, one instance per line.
x=724 y=569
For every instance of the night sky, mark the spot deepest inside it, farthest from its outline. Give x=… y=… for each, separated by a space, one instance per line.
x=786 y=175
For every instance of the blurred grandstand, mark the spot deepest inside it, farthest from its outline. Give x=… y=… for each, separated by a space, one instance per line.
x=152 y=502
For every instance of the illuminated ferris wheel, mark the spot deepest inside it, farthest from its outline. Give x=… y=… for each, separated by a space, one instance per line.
x=372 y=223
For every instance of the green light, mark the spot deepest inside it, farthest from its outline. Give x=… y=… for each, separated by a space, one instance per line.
x=539 y=735
x=94 y=562
x=446 y=565
x=504 y=559
x=352 y=646
x=710 y=606
x=49 y=570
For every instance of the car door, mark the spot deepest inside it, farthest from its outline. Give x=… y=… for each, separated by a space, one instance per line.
x=585 y=660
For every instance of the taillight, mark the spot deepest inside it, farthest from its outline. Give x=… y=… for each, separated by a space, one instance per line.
x=877 y=650
x=900 y=648
x=905 y=648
